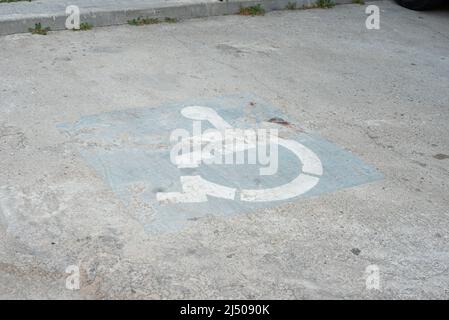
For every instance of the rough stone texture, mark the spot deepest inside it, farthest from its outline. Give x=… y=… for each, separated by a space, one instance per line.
x=381 y=94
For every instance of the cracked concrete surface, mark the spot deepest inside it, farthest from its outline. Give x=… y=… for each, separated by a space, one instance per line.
x=382 y=95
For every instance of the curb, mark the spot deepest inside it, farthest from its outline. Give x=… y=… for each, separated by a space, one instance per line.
x=97 y=17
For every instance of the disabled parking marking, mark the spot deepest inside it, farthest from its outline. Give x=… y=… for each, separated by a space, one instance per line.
x=196 y=188
x=130 y=149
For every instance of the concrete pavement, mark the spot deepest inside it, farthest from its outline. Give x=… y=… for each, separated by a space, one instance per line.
x=380 y=95
x=18 y=17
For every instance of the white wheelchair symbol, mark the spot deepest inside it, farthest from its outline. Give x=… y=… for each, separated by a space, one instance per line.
x=196 y=189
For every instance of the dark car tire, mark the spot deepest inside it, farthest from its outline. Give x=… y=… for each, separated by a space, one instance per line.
x=419 y=4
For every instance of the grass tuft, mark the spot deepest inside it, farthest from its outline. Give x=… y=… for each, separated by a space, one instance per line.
x=38 y=29
x=84 y=26
x=170 y=20
x=140 y=21
x=325 y=4
x=256 y=10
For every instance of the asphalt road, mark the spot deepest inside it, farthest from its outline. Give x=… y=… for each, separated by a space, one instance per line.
x=379 y=95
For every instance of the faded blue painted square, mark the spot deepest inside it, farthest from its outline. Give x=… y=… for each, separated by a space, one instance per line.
x=130 y=150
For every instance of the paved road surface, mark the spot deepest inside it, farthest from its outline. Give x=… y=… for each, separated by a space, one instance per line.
x=381 y=96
